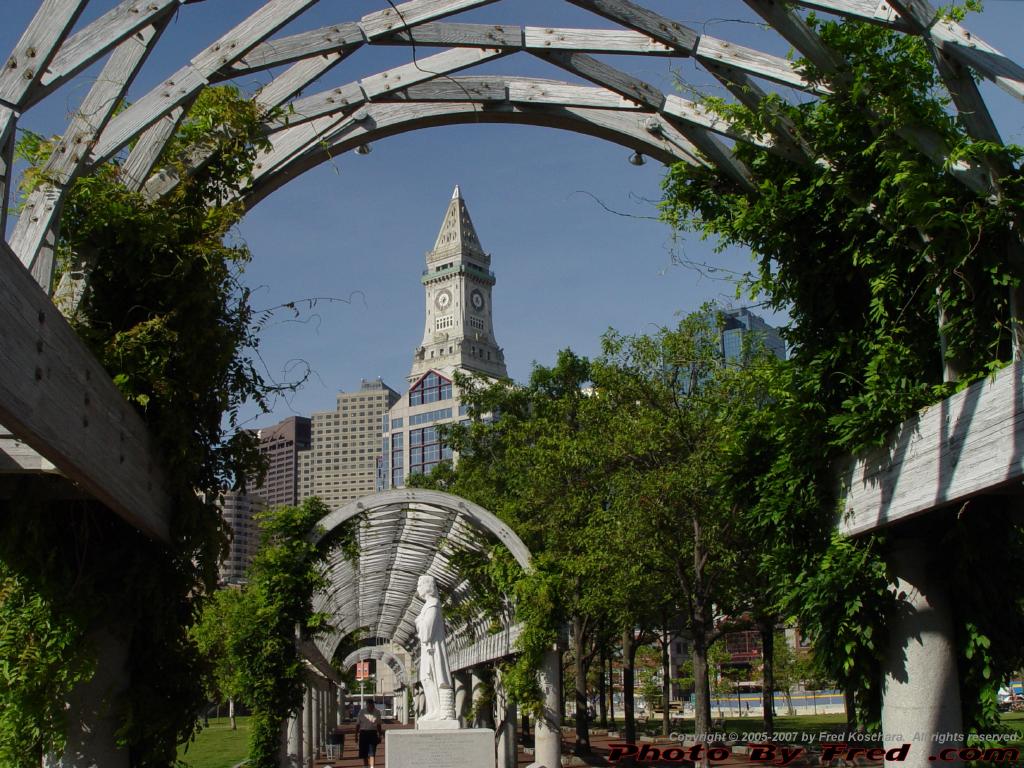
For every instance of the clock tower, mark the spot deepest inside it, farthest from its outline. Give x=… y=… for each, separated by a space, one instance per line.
x=458 y=332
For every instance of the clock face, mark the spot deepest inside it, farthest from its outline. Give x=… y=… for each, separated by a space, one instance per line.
x=477 y=300
x=443 y=300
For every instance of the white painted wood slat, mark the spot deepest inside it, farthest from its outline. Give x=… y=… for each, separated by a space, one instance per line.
x=609 y=77
x=348 y=96
x=595 y=41
x=874 y=11
x=980 y=56
x=35 y=49
x=285 y=50
x=456 y=35
x=70 y=154
x=970 y=443
x=16 y=458
x=269 y=18
x=184 y=84
x=529 y=90
x=98 y=38
x=634 y=16
x=144 y=113
x=754 y=62
x=404 y=15
x=140 y=161
x=303 y=147
x=57 y=398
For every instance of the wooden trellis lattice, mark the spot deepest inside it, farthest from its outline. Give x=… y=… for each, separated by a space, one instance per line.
x=48 y=389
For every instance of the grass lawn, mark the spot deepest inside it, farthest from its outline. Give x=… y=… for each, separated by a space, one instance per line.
x=217 y=746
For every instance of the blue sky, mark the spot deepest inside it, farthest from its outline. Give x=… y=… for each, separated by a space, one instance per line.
x=353 y=232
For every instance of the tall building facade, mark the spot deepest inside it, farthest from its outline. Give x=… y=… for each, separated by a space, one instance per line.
x=280 y=445
x=239 y=510
x=458 y=335
x=741 y=324
x=342 y=460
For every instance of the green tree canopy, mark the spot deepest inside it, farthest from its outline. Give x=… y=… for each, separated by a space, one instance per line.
x=898 y=279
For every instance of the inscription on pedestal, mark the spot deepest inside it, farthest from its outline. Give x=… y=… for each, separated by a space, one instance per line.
x=467 y=748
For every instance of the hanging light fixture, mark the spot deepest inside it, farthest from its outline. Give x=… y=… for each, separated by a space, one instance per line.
x=637 y=159
x=364 y=149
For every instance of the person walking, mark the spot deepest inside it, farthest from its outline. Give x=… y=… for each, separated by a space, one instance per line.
x=368 y=733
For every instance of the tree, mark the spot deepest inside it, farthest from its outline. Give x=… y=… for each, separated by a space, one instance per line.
x=897 y=279
x=222 y=619
x=721 y=679
x=786 y=669
x=673 y=399
x=251 y=633
x=541 y=468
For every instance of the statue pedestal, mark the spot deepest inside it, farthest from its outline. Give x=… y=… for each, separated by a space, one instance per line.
x=437 y=725
x=448 y=748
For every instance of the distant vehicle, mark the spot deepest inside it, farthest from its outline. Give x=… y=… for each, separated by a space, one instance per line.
x=1011 y=697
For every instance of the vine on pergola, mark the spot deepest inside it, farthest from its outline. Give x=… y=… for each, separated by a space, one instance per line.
x=901 y=282
x=166 y=315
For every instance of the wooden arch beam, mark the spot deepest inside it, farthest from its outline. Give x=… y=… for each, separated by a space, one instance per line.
x=378 y=654
x=402 y=535
x=378 y=121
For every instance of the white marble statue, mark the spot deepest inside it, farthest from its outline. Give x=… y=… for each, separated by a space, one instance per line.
x=435 y=677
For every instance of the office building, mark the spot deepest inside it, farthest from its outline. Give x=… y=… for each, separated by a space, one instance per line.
x=239 y=510
x=341 y=462
x=743 y=325
x=281 y=444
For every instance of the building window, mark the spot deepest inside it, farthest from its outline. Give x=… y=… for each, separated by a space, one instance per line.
x=429 y=416
x=444 y=323
x=425 y=450
x=430 y=389
x=476 y=322
x=397 y=459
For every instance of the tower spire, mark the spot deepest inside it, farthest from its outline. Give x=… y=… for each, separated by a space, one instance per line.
x=457 y=235
x=458 y=332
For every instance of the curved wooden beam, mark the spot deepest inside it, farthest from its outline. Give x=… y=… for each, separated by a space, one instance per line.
x=377 y=654
x=481 y=519
x=637 y=130
x=402 y=535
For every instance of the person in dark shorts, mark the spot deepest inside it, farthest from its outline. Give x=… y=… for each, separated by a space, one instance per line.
x=368 y=733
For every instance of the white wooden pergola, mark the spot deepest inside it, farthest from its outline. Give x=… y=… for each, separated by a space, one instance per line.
x=401 y=535
x=63 y=416
x=55 y=398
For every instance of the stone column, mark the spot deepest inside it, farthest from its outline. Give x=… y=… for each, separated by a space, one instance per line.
x=921 y=692
x=483 y=699
x=308 y=725
x=506 y=714
x=94 y=708
x=325 y=713
x=462 y=684
x=548 y=729
x=295 y=739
